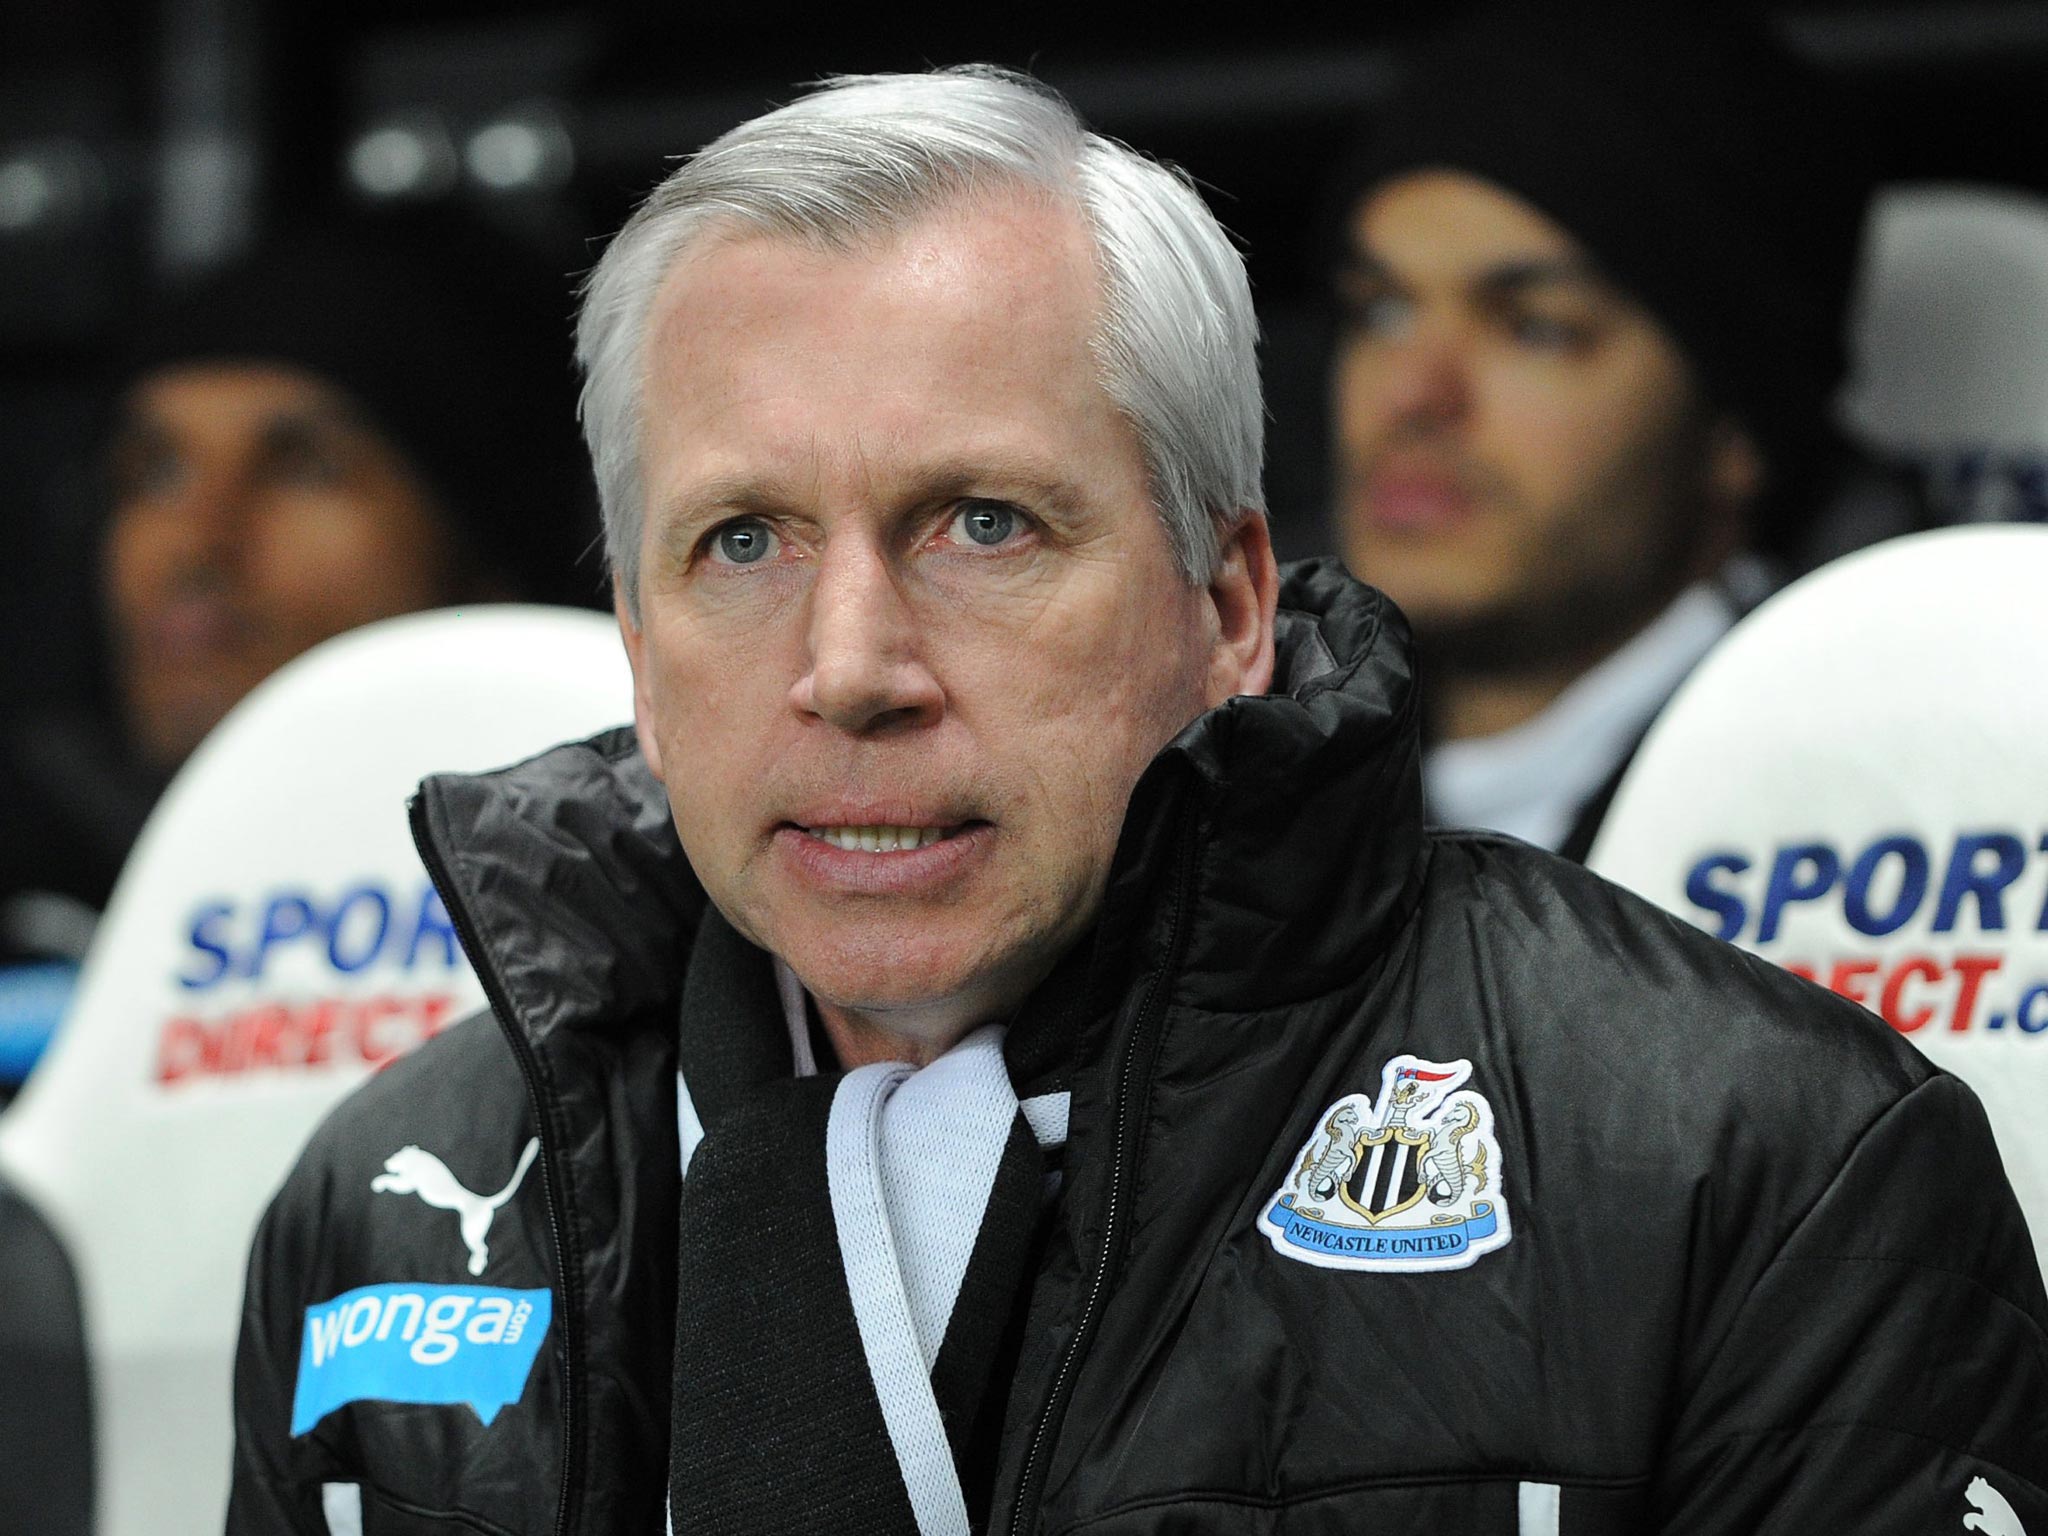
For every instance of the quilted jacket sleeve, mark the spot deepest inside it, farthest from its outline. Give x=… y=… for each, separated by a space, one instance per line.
x=277 y=1478
x=1889 y=1371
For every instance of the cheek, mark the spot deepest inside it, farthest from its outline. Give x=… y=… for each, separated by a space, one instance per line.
x=704 y=686
x=704 y=670
x=1562 y=431
x=1107 y=696
x=1356 y=410
x=327 y=564
x=1545 y=439
x=132 y=559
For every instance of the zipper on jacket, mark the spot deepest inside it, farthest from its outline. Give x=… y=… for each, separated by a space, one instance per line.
x=1132 y=1085
x=522 y=1052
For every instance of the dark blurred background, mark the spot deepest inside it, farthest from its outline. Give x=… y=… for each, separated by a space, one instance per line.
x=142 y=144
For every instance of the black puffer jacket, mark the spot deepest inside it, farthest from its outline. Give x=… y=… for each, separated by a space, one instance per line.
x=1753 y=1264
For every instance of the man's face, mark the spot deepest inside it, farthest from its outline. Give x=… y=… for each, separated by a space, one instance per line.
x=911 y=626
x=255 y=515
x=1521 y=455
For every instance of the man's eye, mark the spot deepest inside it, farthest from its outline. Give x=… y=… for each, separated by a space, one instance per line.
x=149 y=472
x=747 y=542
x=987 y=523
x=1549 y=333
x=305 y=464
x=1375 y=313
x=306 y=456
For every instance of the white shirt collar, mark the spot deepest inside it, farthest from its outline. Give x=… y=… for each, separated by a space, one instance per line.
x=1531 y=781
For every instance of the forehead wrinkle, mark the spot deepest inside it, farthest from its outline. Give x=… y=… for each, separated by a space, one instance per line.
x=873 y=448
x=993 y=471
x=896 y=465
x=909 y=239
x=859 y=462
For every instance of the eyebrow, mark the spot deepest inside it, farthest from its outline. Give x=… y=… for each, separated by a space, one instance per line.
x=311 y=420
x=1554 y=269
x=998 y=476
x=139 y=422
x=1506 y=277
x=713 y=500
x=992 y=475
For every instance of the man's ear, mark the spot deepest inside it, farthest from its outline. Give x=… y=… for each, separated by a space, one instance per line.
x=1245 y=595
x=1736 y=473
x=643 y=701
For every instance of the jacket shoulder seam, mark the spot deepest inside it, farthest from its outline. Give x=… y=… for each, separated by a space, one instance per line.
x=1965 y=1452
x=1975 y=1282
x=465 y=1517
x=1793 y=1228
x=1605 y=1482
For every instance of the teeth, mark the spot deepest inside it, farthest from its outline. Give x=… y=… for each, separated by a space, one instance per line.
x=878 y=839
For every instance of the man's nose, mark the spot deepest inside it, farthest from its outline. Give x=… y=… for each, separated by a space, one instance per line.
x=1426 y=379
x=209 y=513
x=865 y=654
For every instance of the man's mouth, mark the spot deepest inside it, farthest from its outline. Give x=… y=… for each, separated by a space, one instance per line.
x=1415 y=502
x=188 y=631
x=882 y=839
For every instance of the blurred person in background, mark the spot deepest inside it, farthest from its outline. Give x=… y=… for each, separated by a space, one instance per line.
x=346 y=428
x=1592 y=272
x=355 y=421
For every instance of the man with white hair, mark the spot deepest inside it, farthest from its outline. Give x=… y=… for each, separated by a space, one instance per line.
x=985 y=1027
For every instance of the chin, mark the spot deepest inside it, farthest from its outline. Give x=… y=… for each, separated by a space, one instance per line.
x=875 y=985
x=920 y=984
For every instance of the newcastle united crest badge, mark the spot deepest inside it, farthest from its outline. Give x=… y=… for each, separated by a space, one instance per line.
x=1408 y=1181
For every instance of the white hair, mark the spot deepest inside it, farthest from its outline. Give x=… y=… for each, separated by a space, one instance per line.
x=864 y=156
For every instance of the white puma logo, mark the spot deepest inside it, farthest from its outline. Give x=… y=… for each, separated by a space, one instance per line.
x=1994 y=1517
x=416 y=1171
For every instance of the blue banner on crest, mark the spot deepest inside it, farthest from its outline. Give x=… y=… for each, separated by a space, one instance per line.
x=472 y=1344
x=1406 y=1244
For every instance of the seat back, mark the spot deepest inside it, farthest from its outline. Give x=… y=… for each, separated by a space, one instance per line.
x=1852 y=785
x=272 y=940
x=1949 y=346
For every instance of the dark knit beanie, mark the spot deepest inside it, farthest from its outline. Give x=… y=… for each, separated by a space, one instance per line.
x=1709 y=174
x=449 y=346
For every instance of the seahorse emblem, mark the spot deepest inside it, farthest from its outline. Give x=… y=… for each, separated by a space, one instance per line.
x=1408 y=1179
x=1450 y=1172
x=1322 y=1173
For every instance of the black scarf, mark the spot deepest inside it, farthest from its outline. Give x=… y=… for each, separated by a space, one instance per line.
x=788 y=1415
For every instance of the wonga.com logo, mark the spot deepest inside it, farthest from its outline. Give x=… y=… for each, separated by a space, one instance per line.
x=419 y=1344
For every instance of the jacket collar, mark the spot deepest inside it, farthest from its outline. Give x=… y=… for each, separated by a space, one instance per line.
x=1294 y=818
x=1299 y=811
x=566 y=883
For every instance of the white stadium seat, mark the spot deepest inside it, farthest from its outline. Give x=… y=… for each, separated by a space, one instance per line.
x=1949 y=346
x=1855 y=785
x=272 y=939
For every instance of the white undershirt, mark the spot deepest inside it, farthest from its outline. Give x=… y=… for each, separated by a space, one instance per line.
x=1531 y=781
